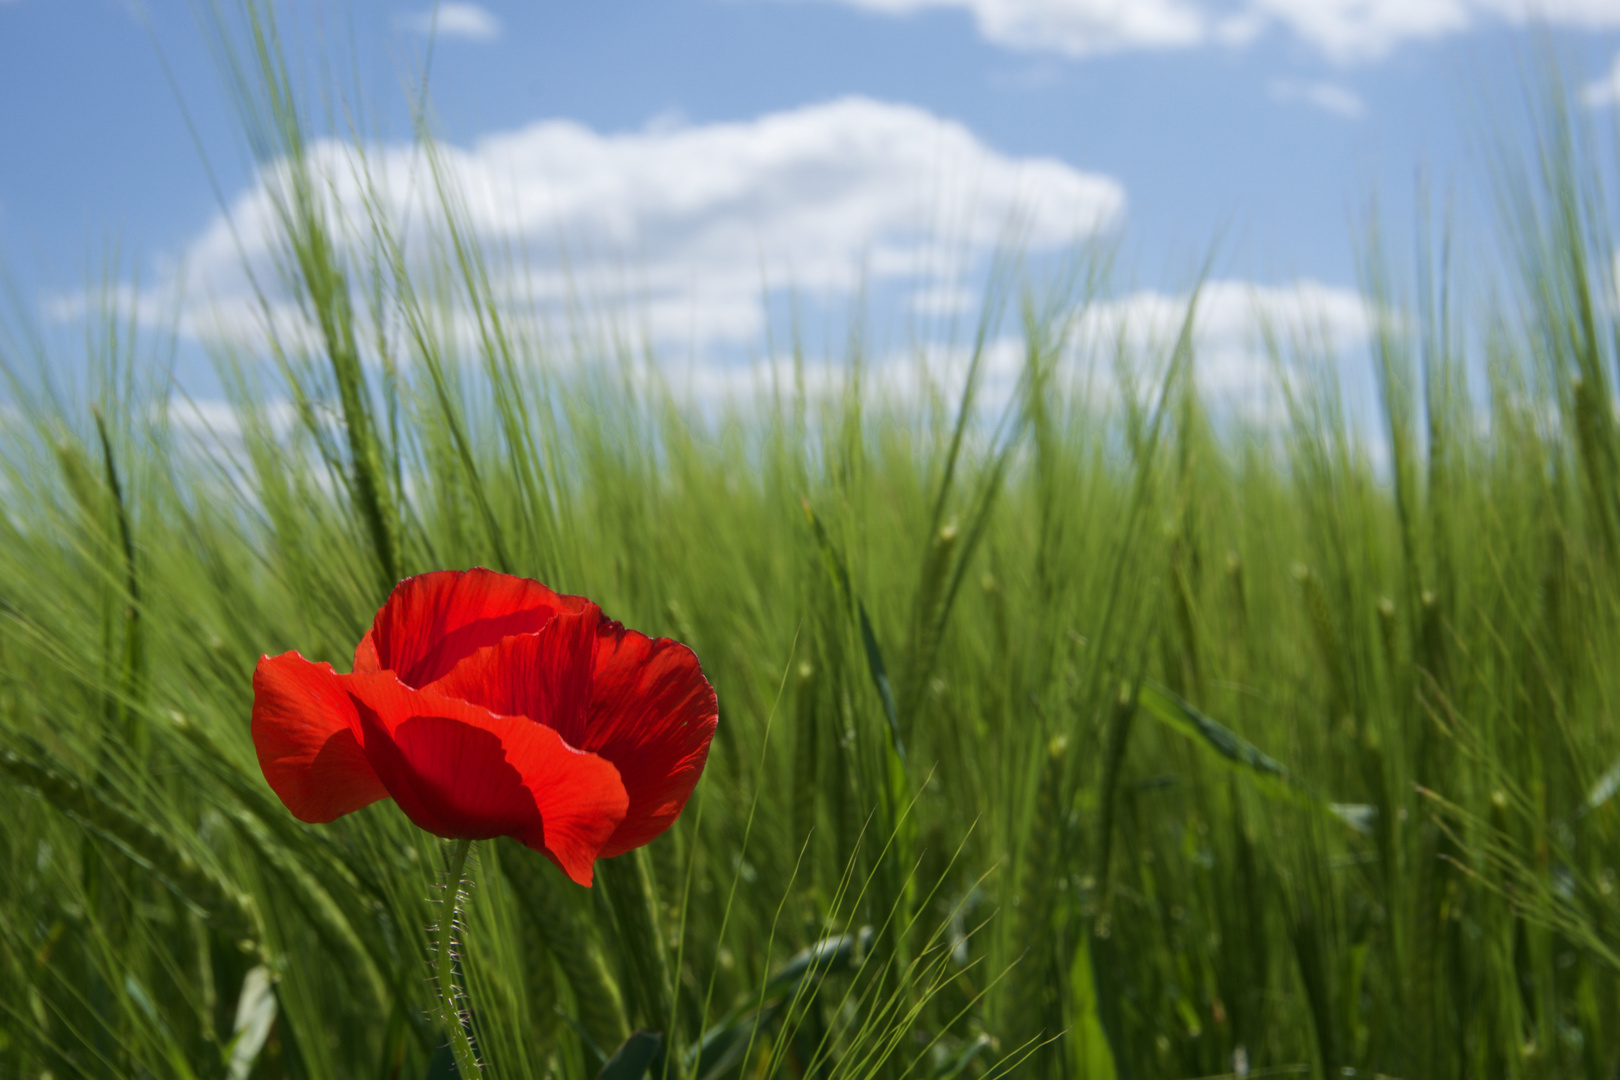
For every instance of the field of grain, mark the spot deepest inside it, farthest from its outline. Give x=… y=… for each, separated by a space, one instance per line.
x=1072 y=723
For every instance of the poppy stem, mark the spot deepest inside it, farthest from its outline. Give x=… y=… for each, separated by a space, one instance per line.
x=461 y=1047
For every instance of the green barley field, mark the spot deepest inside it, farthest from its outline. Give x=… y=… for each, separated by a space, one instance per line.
x=1072 y=724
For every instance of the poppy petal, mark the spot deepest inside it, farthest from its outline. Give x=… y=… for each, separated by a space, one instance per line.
x=365 y=656
x=652 y=714
x=545 y=676
x=458 y=770
x=303 y=731
x=639 y=702
x=431 y=621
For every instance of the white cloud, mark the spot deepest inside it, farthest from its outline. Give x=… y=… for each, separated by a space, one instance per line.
x=1308 y=321
x=904 y=378
x=684 y=226
x=148 y=307
x=1348 y=30
x=1344 y=30
x=1073 y=27
x=214 y=421
x=1323 y=95
x=453 y=20
x=944 y=300
x=1604 y=90
x=1305 y=318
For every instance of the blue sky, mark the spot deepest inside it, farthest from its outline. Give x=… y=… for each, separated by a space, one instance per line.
x=703 y=141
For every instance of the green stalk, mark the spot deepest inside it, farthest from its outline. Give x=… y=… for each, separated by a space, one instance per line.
x=597 y=1000
x=460 y=1045
x=631 y=898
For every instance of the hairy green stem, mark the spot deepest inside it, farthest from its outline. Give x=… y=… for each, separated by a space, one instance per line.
x=460 y=1044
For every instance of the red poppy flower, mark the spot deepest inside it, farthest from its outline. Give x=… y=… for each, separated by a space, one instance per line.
x=487 y=705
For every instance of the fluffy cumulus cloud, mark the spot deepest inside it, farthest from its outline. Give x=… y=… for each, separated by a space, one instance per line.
x=683 y=231
x=1236 y=326
x=455 y=20
x=1344 y=30
x=686 y=225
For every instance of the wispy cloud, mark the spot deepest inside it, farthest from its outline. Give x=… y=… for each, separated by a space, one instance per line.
x=453 y=20
x=1323 y=95
x=1076 y=27
x=1605 y=90
x=1343 y=30
x=943 y=300
x=1359 y=30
